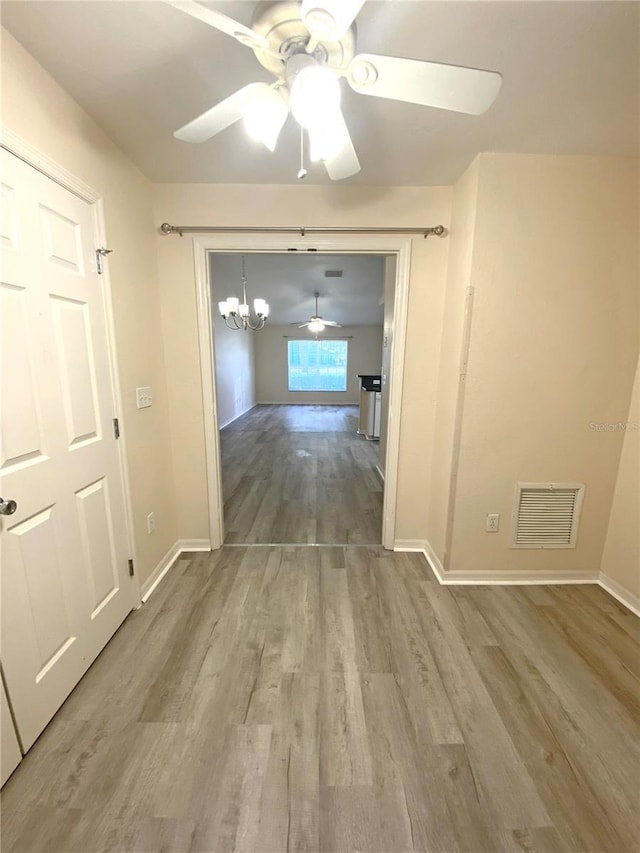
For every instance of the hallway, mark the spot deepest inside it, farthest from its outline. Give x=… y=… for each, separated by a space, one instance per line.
x=300 y=475
x=338 y=699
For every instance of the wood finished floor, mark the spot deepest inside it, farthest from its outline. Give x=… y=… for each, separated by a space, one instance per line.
x=339 y=699
x=300 y=474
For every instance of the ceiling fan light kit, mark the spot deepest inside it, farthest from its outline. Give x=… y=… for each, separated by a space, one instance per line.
x=264 y=117
x=308 y=46
x=316 y=323
x=316 y=326
x=314 y=91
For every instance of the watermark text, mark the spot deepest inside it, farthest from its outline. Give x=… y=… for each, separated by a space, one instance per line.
x=619 y=426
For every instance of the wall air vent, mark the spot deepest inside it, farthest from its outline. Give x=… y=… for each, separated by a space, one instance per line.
x=546 y=515
x=333 y=273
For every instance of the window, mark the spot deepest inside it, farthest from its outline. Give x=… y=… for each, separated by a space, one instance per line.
x=318 y=365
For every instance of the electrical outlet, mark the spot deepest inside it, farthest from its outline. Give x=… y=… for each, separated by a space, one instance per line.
x=492 y=524
x=151 y=522
x=144 y=398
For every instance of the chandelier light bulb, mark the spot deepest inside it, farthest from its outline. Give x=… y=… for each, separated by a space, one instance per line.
x=233 y=305
x=223 y=308
x=260 y=308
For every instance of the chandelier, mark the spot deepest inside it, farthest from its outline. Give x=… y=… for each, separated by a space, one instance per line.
x=237 y=315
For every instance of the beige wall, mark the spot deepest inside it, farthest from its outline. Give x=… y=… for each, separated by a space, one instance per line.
x=364 y=354
x=312 y=206
x=621 y=557
x=450 y=399
x=554 y=347
x=40 y=112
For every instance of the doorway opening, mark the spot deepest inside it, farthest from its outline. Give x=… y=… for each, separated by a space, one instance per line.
x=244 y=445
x=301 y=436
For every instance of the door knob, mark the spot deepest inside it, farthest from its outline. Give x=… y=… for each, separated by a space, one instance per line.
x=7 y=507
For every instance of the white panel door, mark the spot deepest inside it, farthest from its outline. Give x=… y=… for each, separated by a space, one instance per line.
x=10 y=755
x=64 y=576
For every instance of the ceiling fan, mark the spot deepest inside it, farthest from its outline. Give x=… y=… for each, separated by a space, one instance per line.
x=309 y=46
x=317 y=323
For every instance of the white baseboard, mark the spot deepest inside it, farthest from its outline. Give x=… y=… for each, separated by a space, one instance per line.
x=628 y=599
x=410 y=545
x=300 y=403
x=194 y=545
x=239 y=415
x=159 y=572
x=168 y=561
x=454 y=578
x=541 y=578
x=434 y=561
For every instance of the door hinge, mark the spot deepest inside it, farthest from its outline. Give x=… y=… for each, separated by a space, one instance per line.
x=116 y=428
x=131 y=571
x=100 y=255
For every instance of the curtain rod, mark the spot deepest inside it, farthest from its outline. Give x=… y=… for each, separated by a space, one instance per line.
x=323 y=338
x=165 y=228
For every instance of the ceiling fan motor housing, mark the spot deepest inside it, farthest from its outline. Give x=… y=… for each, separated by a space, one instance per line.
x=281 y=25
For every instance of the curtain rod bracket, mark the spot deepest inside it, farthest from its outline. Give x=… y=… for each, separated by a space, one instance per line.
x=166 y=228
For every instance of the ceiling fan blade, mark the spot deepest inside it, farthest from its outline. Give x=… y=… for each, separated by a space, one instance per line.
x=343 y=161
x=224 y=114
x=221 y=22
x=447 y=87
x=300 y=325
x=332 y=323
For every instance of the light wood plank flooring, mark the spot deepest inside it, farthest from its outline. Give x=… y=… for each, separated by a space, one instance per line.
x=339 y=699
x=300 y=474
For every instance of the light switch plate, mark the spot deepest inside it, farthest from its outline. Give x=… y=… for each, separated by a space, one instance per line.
x=144 y=398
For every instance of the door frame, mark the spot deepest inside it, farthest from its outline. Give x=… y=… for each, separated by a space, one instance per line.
x=15 y=144
x=207 y=244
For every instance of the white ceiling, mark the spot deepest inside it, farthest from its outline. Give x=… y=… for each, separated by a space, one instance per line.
x=143 y=69
x=288 y=282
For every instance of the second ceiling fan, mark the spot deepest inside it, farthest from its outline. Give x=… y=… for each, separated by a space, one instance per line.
x=316 y=323
x=309 y=47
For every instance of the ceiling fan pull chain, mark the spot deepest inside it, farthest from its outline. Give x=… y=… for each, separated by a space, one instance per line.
x=303 y=172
